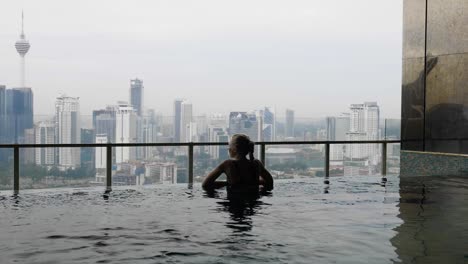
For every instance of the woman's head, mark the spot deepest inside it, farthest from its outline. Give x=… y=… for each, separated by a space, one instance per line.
x=241 y=145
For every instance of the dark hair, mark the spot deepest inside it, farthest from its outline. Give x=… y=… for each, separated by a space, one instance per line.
x=243 y=145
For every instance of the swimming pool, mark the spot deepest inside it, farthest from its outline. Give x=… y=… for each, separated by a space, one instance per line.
x=352 y=220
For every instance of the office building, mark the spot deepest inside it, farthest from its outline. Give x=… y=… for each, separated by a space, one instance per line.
x=244 y=123
x=186 y=120
x=149 y=134
x=364 y=125
x=218 y=134
x=45 y=134
x=337 y=127
x=3 y=116
x=125 y=132
x=28 y=154
x=177 y=119
x=136 y=96
x=161 y=172
x=289 y=123
x=19 y=113
x=67 y=125
x=104 y=122
x=100 y=158
x=87 y=154
x=269 y=125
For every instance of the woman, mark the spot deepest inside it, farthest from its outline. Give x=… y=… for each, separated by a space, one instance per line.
x=243 y=175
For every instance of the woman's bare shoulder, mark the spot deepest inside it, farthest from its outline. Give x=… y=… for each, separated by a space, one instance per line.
x=227 y=163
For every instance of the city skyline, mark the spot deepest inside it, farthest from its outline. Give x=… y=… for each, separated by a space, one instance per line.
x=69 y=58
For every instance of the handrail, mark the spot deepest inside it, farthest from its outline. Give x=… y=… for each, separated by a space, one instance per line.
x=190 y=145
x=186 y=144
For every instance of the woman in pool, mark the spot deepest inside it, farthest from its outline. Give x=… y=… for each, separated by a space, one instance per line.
x=243 y=175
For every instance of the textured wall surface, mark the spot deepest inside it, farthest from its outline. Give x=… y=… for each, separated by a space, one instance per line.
x=434 y=86
x=415 y=163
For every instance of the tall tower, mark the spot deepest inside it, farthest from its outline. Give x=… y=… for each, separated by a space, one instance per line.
x=136 y=95
x=185 y=121
x=177 y=118
x=22 y=47
x=289 y=123
x=67 y=130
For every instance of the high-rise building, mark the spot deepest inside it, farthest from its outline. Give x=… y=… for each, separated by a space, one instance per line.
x=104 y=122
x=149 y=133
x=218 y=134
x=22 y=47
x=3 y=116
x=101 y=158
x=45 y=134
x=161 y=172
x=136 y=95
x=337 y=127
x=19 y=113
x=87 y=154
x=244 y=123
x=186 y=119
x=177 y=119
x=126 y=121
x=28 y=154
x=67 y=125
x=269 y=125
x=364 y=125
x=289 y=123
x=192 y=132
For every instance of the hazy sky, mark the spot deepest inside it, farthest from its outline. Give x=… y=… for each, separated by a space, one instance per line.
x=315 y=57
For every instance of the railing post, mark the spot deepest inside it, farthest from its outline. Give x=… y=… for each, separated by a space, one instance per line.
x=15 y=170
x=190 y=165
x=262 y=153
x=327 y=159
x=108 y=168
x=384 y=158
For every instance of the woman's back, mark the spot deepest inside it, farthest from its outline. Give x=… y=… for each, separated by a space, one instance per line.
x=242 y=173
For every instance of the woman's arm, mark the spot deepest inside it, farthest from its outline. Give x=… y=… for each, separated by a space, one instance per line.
x=210 y=180
x=265 y=178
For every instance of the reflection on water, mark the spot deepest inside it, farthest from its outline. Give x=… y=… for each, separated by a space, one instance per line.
x=347 y=220
x=241 y=208
x=434 y=211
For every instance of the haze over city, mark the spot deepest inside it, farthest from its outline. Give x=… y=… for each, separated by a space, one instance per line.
x=229 y=56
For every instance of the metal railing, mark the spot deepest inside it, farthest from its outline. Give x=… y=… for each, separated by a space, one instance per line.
x=16 y=153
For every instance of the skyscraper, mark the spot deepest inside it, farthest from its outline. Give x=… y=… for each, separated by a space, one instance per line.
x=28 y=154
x=19 y=113
x=67 y=125
x=104 y=122
x=243 y=123
x=186 y=118
x=218 y=134
x=337 y=127
x=22 y=47
x=364 y=125
x=148 y=133
x=290 y=123
x=269 y=125
x=3 y=123
x=45 y=134
x=125 y=131
x=100 y=158
x=136 y=95
x=177 y=119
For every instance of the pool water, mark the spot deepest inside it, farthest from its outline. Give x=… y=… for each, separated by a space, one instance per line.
x=351 y=220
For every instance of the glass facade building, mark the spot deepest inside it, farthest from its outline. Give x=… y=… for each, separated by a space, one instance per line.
x=19 y=114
